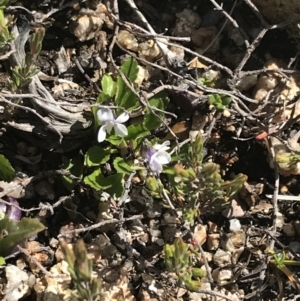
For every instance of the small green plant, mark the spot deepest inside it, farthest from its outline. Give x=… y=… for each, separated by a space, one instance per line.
x=179 y=260
x=199 y=184
x=22 y=75
x=219 y=101
x=280 y=261
x=87 y=288
x=207 y=81
x=5 y=35
x=105 y=167
x=291 y=158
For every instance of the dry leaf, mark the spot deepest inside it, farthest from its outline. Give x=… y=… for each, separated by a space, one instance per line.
x=180 y=129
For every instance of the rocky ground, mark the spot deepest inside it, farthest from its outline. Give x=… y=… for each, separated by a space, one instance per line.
x=163 y=135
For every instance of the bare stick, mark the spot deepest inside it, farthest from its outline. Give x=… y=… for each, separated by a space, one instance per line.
x=98 y=225
x=33 y=112
x=169 y=57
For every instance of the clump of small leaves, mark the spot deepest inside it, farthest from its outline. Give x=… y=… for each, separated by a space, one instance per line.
x=107 y=165
x=207 y=81
x=291 y=158
x=280 y=261
x=179 y=260
x=199 y=184
x=22 y=75
x=87 y=288
x=5 y=35
x=220 y=102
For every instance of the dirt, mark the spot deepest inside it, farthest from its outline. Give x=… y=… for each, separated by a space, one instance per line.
x=125 y=236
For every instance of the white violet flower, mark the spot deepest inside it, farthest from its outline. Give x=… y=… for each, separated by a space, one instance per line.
x=157 y=156
x=106 y=116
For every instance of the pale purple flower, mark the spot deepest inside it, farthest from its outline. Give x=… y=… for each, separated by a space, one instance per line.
x=157 y=156
x=10 y=211
x=106 y=116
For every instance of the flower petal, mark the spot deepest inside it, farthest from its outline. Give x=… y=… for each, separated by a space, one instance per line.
x=101 y=134
x=108 y=126
x=120 y=130
x=122 y=118
x=162 y=147
x=105 y=115
x=157 y=146
x=166 y=143
x=162 y=157
x=155 y=166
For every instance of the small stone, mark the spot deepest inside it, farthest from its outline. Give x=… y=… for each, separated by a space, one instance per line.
x=169 y=233
x=212 y=227
x=238 y=238
x=247 y=82
x=234 y=225
x=236 y=255
x=17 y=287
x=22 y=148
x=40 y=254
x=171 y=220
x=289 y=229
x=160 y=242
x=233 y=210
x=53 y=243
x=222 y=258
x=200 y=234
x=45 y=190
x=222 y=276
x=279 y=219
x=193 y=296
x=85 y=27
x=232 y=241
x=186 y=22
x=297 y=226
x=295 y=246
x=208 y=257
x=206 y=39
x=213 y=241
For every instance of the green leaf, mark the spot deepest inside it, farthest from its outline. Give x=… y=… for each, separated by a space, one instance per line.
x=136 y=131
x=102 y=97
x=2 y=261
x=109 y=86
x=219 y=101
x=14 y=232
x=219 y=106
x=4 y=3
x=121 y=166
x=212 y=99
x=112 y=184
x=75 y=167
x=226 y=100
x=117 y=186
x=93 y=179
x=114 y=139
x=159 y=101
x=96 y=155
x=130 y=69
x=125 y=98
x=7 y=173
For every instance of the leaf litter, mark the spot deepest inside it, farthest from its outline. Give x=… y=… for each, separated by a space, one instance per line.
x=212 y=216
